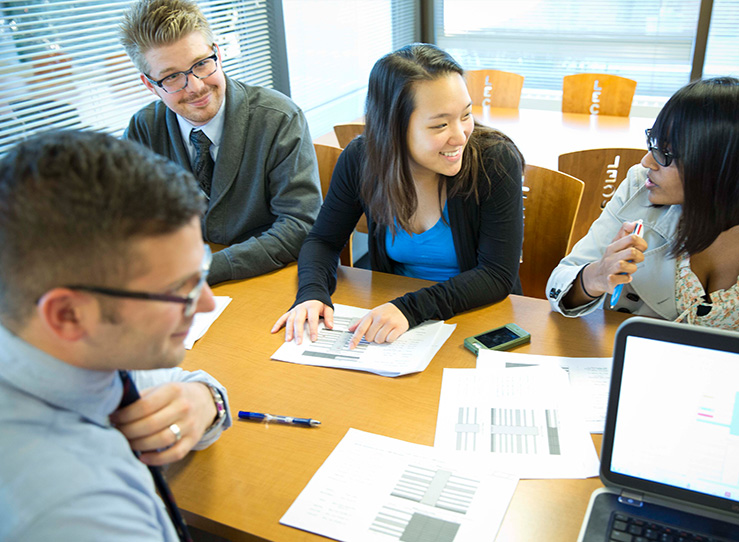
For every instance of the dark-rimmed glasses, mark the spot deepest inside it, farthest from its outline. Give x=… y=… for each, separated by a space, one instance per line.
x=176 y=82
x=663 y=158
x=190 y=300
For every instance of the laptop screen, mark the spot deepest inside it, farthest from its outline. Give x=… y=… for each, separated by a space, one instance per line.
x=676 y=418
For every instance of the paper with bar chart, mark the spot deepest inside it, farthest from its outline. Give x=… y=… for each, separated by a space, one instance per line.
x=375 y=488
x=522 y=420
x=410 y=353
x=589 y=379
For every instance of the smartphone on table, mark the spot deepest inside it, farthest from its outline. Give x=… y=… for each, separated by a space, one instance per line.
x=501 y=338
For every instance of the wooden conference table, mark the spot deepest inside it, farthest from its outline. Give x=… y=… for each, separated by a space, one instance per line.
x=543 y=135
x=241 y=486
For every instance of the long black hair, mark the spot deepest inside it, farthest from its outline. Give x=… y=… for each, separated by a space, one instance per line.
x=699 y=124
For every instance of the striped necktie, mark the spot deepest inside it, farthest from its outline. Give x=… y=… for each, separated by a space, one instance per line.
x=203 y=166
x=130 y=395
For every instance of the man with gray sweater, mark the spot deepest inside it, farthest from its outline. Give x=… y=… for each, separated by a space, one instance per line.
x=249 y=147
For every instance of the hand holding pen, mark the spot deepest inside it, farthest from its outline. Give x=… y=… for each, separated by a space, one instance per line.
x=614 y=269
x=637 y=231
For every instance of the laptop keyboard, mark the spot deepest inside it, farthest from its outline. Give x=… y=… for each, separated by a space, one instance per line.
x=630 y=529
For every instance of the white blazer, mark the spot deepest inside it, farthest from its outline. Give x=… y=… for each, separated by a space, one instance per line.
x=652 y=290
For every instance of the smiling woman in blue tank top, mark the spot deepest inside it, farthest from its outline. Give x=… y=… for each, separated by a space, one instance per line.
x=442 y=196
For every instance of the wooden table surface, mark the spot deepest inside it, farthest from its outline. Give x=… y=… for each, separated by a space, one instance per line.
x=543 y=135
x=241 y=486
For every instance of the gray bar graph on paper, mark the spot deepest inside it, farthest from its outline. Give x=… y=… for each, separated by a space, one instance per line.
x=516 y=431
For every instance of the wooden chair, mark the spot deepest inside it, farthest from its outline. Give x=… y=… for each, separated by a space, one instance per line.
x=346 y=132
x=494 y=88
x=602 y=170
x=551 y=200
x=597 y=94
x=327 y=156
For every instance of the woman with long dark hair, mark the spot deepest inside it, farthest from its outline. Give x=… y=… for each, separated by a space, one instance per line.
x=442 y=197
x=685 y=265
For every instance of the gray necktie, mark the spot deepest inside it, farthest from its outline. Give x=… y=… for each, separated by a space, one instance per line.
x=203 y=166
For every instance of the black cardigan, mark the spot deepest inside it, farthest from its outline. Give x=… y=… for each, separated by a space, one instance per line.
x=487 y=239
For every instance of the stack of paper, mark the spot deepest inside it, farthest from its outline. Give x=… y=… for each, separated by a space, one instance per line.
x=521 y=420
x=377 y=488
x=410 y=353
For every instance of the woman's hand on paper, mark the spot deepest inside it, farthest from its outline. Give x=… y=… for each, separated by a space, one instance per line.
x=294 y=320
x=382 y=324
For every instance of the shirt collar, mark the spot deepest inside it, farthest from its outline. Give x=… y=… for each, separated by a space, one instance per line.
x=93 y=394
x=213 y=128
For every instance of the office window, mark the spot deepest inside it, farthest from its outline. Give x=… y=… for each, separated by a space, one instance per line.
x=650 y=41
x=331 y=48
x=61 y=64
x=722 y=49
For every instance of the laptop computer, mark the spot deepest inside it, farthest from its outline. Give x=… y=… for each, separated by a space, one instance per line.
x=670 y=455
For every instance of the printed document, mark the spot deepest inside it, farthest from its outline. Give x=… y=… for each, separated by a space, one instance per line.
x=410 y=353
x=590 y=379
x=375 y=488
x=522 y=420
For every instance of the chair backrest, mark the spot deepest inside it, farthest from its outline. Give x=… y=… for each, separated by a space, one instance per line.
x=602 y=170
x=494 y=88
x=327 y=156
x=346 y=132
x=597 y=94
x=551 y=200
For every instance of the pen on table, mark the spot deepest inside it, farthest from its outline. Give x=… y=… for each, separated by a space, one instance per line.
x=260 y=417
x=638 y=229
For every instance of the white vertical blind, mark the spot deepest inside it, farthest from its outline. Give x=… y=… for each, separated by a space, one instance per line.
x=62 y=66
x=722 y=49
x=650 y=41
x=332 y=46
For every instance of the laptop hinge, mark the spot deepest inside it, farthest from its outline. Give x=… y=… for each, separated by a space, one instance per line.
x=631 y=498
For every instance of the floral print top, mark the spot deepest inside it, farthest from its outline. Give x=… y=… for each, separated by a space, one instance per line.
x=719 y=309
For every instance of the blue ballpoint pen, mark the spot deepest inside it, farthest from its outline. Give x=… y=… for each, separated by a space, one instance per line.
x=638 y=229
x=259 y=417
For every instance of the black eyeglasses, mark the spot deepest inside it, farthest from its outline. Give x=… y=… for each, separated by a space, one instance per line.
x=663 y=158
x=190 y=300
x=175 y=82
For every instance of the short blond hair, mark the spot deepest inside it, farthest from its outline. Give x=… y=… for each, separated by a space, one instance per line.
x=153 y=23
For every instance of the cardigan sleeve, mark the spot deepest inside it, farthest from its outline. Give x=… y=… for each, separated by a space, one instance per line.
x=336 y=221
x=487 y=237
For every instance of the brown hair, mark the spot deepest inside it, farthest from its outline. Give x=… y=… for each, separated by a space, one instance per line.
x=153 y=23
x=71 y=202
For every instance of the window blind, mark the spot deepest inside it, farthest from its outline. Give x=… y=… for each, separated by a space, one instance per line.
x=62 y=66
x=650 y=41
x=332 y=46
x=722 y=49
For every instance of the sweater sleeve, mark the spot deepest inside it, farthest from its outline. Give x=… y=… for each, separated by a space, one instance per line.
x=488 y=238
x=336 y=221
x=293 y=189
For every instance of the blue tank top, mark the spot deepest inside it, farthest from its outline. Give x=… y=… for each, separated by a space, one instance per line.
x=429 y=255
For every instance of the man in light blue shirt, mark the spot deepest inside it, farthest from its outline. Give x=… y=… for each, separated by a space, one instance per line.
x=102 y=269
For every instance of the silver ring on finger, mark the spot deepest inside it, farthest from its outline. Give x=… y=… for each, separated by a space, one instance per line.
x=176 y=432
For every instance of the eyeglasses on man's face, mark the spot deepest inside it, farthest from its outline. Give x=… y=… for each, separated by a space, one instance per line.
x=663 y=158
x=176 y=82
x=190 y=300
